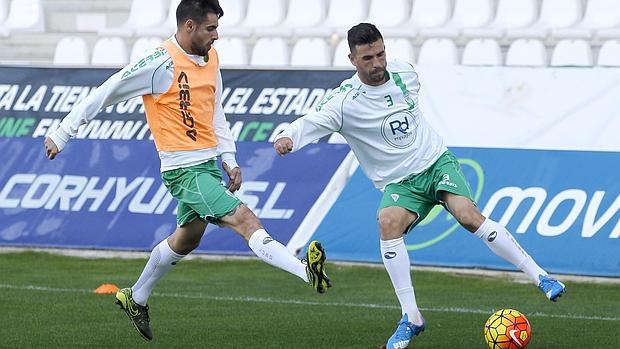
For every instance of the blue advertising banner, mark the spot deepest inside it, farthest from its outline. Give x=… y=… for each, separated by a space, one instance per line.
x=562 y=206
x=102 y=194
x=257 y=103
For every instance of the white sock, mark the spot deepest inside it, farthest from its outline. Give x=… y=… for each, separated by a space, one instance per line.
x=274 y=253
x=503 y=244
x=396 y=261
x=162 y=259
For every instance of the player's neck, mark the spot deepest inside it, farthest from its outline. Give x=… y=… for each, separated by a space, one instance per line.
x=184 y=43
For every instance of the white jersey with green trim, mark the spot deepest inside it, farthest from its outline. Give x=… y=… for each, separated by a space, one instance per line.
x=383 y=125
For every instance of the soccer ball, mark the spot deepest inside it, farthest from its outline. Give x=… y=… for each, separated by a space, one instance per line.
x=507 y=329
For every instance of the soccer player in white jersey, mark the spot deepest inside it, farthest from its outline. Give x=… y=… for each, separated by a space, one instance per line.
x=377 y=112
x=182 y=90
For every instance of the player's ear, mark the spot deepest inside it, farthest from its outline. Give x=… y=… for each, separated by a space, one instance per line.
x=189 y=25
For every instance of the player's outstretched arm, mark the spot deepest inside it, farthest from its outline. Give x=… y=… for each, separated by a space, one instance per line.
x=283 y=146
x=310 y=127
x=51 y=149
x=132 y=81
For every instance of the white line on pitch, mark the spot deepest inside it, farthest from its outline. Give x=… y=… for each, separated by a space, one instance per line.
x=299 y=302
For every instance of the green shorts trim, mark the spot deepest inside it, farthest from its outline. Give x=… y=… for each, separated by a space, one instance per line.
x=421 y=192
x=200 y=193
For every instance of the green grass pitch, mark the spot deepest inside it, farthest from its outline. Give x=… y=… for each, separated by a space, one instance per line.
x=48 y=302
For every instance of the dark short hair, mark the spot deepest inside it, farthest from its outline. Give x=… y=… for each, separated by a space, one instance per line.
x=197 y=10
x=361 y=34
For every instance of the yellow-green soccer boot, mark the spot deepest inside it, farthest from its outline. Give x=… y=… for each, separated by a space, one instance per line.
x=315 y=267
x=138 y=314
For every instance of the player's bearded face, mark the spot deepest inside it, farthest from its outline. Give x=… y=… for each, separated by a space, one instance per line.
x=377 y=73
x=370 y=62
x=204 y=35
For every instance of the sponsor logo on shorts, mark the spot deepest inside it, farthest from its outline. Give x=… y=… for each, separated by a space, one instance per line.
x=389 y=255
x=492 y=236
x=446 y=181
x=394 y=197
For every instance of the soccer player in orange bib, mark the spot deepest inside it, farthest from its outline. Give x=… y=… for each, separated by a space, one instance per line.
x=181 y=86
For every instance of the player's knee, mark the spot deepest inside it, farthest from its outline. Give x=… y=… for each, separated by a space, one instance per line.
x=248 y=216
x=183 y=242
x=470 y=219
x=248 y=223
x=390 y=227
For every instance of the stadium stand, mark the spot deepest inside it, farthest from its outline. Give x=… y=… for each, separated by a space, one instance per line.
x=72 y=50
x=482 y=52
x=143 y=14
x=264 y=13
x=341 y=15
x=24 y=16
x=301 y=14
x=424 y=14
x=609 y=55
x=341 y=52
x=4 y=11
x=270 y=51
x=259 y=14
x=553 y=14
x=468 y=14
x=311 y=52
x=143 y=46
x=569 y=52
x=234 y=15
x=527 y=52
x=168 y=26
x=610 y=20
x=233 y=51
x=438 y=51
x=397 y=15
x=599 y=14
x=110 y=51
x=440 y=31
x=400 y=48
x=511 y=14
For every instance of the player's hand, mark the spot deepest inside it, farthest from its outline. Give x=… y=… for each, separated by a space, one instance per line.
x=51 y=149
x=283 y=146
x=234 y=177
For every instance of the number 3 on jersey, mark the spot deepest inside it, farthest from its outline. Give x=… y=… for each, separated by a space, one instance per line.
x=389 y=100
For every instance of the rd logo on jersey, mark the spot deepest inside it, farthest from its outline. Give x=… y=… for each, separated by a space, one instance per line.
x=399 y=129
